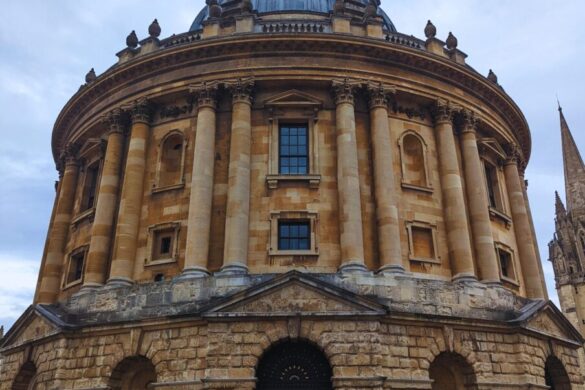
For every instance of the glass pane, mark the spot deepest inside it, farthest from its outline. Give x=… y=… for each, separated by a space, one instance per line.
x=284 y=140
x=284 y=230
x=284 y=131
x=304 y=230
x=284 y=150
x=304 y=244
x=293 y=131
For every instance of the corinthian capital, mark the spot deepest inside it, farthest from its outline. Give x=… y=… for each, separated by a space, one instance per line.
x=343 y=90
x=378 y=94
x=115 y=120
x=442 y=111
x=513 y=154
x=205 y=93
x=68 y=155
x=141 y=111
x=469 y=121
x=241 y=90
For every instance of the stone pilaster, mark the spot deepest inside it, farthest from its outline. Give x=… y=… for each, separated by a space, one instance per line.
x=458 y=238
x=53 y=265
x=200 y=201
x=122 y=269
x=101 y=233
x=385 y=185
x=348 y=184
x=481 y=228
x=235 y=257
x=524 y=240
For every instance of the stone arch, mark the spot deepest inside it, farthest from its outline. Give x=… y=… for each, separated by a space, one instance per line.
x=413 y=159
x=26 y=377
x=171 y=160
x=555 y=375
x=294 y=364
x=451 y=371
x=133 y=373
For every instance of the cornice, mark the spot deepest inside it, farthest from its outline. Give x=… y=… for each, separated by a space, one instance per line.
x=214 y=49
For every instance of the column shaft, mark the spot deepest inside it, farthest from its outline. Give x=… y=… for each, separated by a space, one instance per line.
x=520 y=221
x=201 y=199
x=385 y=188
x=481 y=227
x=122 y=269
x=456 y=224
x=53 y=264
x=235 y=257
x=101 y=233
x=348 y=183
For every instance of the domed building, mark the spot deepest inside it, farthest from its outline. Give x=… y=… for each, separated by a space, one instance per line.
x=291 y=195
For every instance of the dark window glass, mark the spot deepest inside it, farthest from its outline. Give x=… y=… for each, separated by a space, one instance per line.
x=294 y=150
x=165 y=245
x=294 y=235
x=506 y=264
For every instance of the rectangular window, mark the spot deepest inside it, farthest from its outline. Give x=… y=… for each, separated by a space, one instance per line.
x=506 y=264
x=90 y=187
x=75 y=267
x=493 y=187
x=422 y=243
x=294 y=235
x=293 y=149
x=163 y=244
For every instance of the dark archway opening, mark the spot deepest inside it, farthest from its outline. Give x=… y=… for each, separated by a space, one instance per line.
x=133 y=373
x=25 y=380
x=294 y=365
x=555 y=375
x=450 y=371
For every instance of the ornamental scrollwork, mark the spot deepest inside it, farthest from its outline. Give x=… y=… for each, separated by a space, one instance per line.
x=205 y=94
x=379 y=95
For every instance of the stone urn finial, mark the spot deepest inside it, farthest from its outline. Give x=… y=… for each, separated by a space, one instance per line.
x=339 y=7
x=492 y=77
x=154 y=29
x=90 y=76
x=430 y=30
x=132 y=40
x=214 y=9
x=451 y=41
x=247 y=6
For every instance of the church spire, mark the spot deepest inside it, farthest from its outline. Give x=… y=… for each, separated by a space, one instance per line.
x=574 y=170
x=559 y=206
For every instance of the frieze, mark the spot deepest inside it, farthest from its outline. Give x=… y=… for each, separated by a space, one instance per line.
x=419 y=112
x=175 y=111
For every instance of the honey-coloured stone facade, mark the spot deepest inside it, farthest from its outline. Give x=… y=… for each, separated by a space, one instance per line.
x=167 y=263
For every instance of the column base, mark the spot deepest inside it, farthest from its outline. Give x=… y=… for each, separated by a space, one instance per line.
x=354 y=267
x=194 y=272
x=118 y=282
x=89 y=287
x=391 y=269
x=492 y=282
x=464 y=277
x=233 y=268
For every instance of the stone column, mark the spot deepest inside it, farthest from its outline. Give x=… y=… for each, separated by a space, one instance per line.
x=235 y=255
x=53 y=264
x=200 y=202
x=385 y=188
x=456 y=224
x=524 y=240
x=481 y=226
x=348 y=183
x=107 y=201
x=122 y=269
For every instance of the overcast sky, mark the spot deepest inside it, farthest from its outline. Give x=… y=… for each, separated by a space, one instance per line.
x=46 y=48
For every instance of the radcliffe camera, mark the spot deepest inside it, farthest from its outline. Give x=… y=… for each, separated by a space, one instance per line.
x=296 y=194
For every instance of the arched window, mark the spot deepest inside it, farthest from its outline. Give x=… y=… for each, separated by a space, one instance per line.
x=26 y=378
x=413 y=161
x=171 y=161
x=450 y=371
x=294 y=364
x=555 y=375
x=133 y=373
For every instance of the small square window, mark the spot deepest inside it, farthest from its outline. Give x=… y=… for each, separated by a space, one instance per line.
x=163 y=241
x=506 y=262
x=293 y=150
x=294 y=235
x=162 y=244
x=75 y=267
x=422 y=242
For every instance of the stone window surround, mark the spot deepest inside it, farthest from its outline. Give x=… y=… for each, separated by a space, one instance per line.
x=433 y=229
x=499 y=246
x=90 y=154
x=428 y=187
x=312 y=217
x=175 y=228
x=84 y=249
x=492 y=153
x=181 y=184
x=296 y=115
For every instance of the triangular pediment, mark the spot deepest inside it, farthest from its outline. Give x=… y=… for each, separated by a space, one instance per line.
x=31 y=326
x=91 y=147
x=294 y=294
x=293 y=98
x=492 y=146
x=544 y=317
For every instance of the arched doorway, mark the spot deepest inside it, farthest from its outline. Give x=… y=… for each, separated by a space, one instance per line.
x=133 y=373
x=555 y=375
x=450 y=371
x=294 y=365
x=25 y=380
